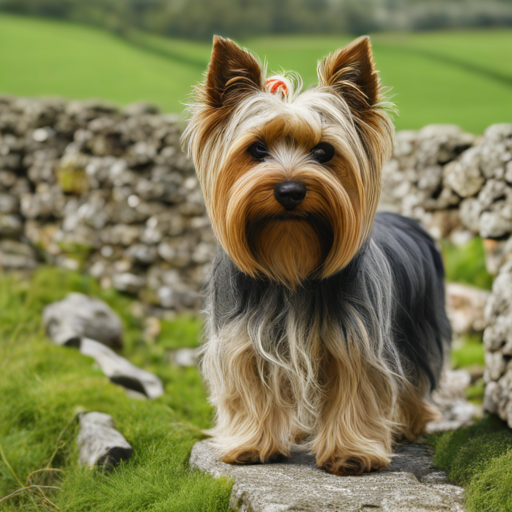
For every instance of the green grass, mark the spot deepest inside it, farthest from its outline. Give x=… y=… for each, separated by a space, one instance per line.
x=47 y=58
x=479 y=458
x=42 y=386
x=469 y=353
x=466 y=264
x=461 y=77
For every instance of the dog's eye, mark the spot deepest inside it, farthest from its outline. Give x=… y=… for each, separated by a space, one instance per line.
x=323 y=152
x=258 y=151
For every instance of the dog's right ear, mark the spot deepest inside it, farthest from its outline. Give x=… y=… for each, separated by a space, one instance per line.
x=351 y=73
x=232 y=74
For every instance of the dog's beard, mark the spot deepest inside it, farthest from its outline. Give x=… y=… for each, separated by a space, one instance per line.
x=290 y=247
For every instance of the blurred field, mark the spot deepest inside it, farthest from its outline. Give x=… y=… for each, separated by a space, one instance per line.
x=461 y=77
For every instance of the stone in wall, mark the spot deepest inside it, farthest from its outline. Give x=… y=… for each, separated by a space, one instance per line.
x=498 y=346
x=465 y=308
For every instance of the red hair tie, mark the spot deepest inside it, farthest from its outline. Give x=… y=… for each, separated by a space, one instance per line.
x=274 y=85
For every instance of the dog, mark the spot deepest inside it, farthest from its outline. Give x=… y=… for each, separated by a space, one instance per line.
x=326 y=321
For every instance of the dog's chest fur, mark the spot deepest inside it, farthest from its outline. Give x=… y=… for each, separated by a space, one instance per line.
x=380 y=305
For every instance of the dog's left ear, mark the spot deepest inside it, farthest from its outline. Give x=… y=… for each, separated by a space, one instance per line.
x=350 y=71
x=232 y=74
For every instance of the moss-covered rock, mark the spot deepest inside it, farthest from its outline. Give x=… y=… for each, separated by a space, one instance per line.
x=479 y=458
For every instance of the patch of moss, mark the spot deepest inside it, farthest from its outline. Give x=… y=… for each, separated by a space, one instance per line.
x=491 y=491
x=42 y=386
x=479 y=458
x=72 y=180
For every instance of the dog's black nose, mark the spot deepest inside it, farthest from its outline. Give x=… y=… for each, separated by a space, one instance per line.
x=290 y=193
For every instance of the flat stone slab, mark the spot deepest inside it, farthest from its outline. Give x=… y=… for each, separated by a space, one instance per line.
x=409 y=484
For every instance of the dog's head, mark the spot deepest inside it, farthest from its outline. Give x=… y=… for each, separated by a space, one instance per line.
x=291 y=179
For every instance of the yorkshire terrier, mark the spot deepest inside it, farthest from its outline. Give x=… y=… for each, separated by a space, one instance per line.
x=327 y=324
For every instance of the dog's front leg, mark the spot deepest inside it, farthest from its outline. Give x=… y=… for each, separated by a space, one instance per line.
x=354 y=432
x=252 y=422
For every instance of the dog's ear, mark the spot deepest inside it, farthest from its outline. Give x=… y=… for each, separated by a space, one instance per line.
x=350 y=71
x=232 y=74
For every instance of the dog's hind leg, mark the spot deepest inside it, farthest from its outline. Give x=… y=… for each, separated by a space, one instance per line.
x=414 y=412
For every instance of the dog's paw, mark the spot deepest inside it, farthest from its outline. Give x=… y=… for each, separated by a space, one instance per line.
x=251 y=456
x=352 y=465
x=242 y=457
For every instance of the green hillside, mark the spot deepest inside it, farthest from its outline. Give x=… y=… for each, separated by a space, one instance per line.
x=462 y=77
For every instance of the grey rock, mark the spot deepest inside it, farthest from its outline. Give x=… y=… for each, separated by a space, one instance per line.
x=121 y=234
x=10 y=161
x=470 y=211
x=118 y=369
x=7 y=179
x=465 y=307
x=140 y=108
x=450 y=399
x=442 y=223
x=80 y=237
x=203 y=253
x=430 y=178
x=498 y=346
x=178 y=297
x=46 y=203
x=495 y=365
x=499 y=132
x=497 y=223
x=80 y=315
x=186 y=357
x=491 y=191
x=508 y=172
x=175 y=251
x=464 y=175
x=298 y=485
x=10 y=225
x=99 y=443
x=128 y=282
x=16 y=255
x=8 y=204
x=22 y=186
x=142 y=253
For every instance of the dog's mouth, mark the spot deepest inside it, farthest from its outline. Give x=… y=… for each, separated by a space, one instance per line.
x=321 y=226
x=287 y=216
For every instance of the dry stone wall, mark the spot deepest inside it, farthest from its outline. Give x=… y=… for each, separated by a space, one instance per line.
x=456 y=184
x=86 y=185
x=459 y=186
